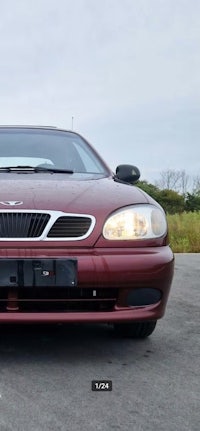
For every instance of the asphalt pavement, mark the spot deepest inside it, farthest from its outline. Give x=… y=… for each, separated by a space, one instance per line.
x=46 y=371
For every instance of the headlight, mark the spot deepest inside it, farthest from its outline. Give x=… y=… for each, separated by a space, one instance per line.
x=136 y=222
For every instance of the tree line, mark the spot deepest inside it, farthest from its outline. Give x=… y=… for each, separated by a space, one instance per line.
x=175 y=191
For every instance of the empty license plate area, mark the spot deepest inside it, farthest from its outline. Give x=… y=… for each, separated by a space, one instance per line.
x=38 y=272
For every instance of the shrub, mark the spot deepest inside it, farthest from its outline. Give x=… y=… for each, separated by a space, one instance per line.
x=184 y=232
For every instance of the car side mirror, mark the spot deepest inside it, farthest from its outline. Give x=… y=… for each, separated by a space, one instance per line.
x=127 y=174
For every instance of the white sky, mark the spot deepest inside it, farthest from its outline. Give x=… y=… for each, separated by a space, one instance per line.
x=128 y=71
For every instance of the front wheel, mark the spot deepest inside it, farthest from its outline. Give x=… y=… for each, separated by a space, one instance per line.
x=135 y=329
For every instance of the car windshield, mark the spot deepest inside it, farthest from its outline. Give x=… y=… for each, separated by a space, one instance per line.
x=53 y=149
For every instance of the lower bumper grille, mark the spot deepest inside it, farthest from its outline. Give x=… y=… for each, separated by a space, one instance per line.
x=58 y=299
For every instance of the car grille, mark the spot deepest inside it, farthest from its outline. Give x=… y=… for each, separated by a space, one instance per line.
x=57 y=299
x=22 y=224
x=44 y=225
x=70 y=227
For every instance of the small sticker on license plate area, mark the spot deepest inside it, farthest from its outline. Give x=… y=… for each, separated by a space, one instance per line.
x=38 y=272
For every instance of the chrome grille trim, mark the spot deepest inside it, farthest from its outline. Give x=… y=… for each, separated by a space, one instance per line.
x=53 y=217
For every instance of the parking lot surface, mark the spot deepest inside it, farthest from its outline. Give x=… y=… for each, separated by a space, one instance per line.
x=46 y=371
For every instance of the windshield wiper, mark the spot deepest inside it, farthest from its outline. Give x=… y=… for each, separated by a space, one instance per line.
x=34 y=169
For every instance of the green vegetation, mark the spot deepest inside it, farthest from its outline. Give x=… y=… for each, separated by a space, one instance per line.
x=184 y=232
x=172 y=201
x=182 y=209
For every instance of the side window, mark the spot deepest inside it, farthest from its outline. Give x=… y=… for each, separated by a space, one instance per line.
x=70 y=158
x=91 y=164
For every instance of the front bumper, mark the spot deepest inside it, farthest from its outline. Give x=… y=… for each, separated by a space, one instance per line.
x=123 y=270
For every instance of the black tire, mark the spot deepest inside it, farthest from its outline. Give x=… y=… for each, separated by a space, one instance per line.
x=135 y=329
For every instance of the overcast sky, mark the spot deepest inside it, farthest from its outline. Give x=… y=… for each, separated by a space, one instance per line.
x=128 y=71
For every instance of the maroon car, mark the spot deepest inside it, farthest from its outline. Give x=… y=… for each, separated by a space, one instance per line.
x=78 y=242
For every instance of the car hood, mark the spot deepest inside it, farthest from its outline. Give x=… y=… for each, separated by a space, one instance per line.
x=97 y=197
x=55 y=192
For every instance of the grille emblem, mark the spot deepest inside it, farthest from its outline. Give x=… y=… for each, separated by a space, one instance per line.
x=11 y=203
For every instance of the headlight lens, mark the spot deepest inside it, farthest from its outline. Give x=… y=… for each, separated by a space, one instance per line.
x=136 y=222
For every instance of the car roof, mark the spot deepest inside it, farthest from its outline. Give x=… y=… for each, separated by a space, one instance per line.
x=30 y=126
x=40 y=127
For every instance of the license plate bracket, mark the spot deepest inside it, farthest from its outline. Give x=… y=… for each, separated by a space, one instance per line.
x=38 y=272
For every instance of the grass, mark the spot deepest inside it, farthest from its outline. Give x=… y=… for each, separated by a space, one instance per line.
x=184 y=232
